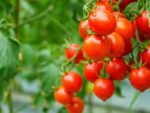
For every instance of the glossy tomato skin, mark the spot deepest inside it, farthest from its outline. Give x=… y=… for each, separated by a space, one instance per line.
x=71 y=51
x=92 y=71
x=117 y=44
x=128 y=47
x=103 y=6
x=96 y=47
x=83 y=26
x=72 y=82
x=125 y=28
x=102 y=22
x=76 y=105
x=142 y=23
x=104 y=88
x=145 y=56
x=116 y=69
x=62 y=96
x=140 y=78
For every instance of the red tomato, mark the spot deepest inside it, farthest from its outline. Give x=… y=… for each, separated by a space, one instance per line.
x=76 y=105
x=118 y=14
x=117 y=44
x=116 y=69
x=96 y=47
x=92 y=71
x=102 y=22
x=83 y=26
x=128 y=48
x=140 y=78
x=142 y=23
x=103 y=6
x=104 y=88
x=145 y=56
x=72 y=82
x=125 y=28
x=62 y=96
x=71 y=51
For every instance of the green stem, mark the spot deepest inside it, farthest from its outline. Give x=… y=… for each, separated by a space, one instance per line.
x=9 y=100
x=17 y=18
x=37 y=17
x=90 y=107
x=135 y=97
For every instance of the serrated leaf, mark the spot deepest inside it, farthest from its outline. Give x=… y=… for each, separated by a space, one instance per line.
x=9 y=50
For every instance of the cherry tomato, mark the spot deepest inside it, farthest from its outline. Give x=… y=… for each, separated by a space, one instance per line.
x=104 y=88
x=143 y=23
x=102 y=22
x=92 y=71
x=128 y=47
x=118 y=14
x=145 y=56
x=103 y=6
x=125 y=28
x=117 y=44
x=72 y=82
x=83 y=26
x=140 y=78
x=116 y=69
x=76 y=105
x=96 y=47
x=62 y=96
x=71 y=51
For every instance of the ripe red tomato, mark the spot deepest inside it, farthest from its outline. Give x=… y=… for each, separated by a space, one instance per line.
x=143 y=23
x=118 y=14
x=102 y=22
x=145 y=56
x=72 y=82
x=140 y=78
x=117 y=44
x=76 y=105
x=96 y=47
x=125 y=28
x=104 y=88
x=103 y=6
x=116 y=69
x=92 y=71
x=83 y=26
x=128 y=47
x=62 y=96
x=71 y=51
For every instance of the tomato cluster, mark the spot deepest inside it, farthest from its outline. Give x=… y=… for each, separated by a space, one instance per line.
x=107 y=41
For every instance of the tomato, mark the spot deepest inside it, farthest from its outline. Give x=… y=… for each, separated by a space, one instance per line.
x=102 y=22
x=117 y=44
x=71 y=51
x=116 y=69
x=96 y=47
x=103 y=6
x=145 y=56
x=143 y=23
x=118 y=14
x=104 y=88
x=72 y=82
x=62 y=96
x=125 y=28
x=76 y=105
x=128 y=47
x=92 y=71
x=83 y=26
x=140 y=78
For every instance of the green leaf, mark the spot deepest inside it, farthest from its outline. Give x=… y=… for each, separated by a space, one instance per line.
x=148 y=10
x=9 y=49
x=118 y=91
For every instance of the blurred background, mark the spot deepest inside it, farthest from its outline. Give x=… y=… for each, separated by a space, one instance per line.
x=36 y=30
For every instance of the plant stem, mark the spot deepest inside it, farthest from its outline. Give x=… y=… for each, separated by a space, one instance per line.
x=9 y=99
x=135 y=97
x=90 y=107
x=17 y=18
